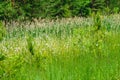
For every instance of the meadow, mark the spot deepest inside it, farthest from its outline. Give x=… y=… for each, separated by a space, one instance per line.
x=62 y=49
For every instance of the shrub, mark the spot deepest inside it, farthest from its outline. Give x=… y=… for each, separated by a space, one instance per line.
x=7 y=12
x=27 y=9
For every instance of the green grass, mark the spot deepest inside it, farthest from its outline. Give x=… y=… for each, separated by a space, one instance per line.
x=69 y=49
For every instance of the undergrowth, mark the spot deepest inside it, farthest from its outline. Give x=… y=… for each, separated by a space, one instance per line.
x=62 y=52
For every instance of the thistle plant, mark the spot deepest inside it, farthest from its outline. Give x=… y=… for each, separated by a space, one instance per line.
x=97 y=21
x=98 y=34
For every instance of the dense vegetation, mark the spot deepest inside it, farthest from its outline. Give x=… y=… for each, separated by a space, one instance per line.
x=28 y=9
x=59 y=40
x=67 y=49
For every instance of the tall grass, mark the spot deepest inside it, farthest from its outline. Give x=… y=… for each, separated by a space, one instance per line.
x=68 y=49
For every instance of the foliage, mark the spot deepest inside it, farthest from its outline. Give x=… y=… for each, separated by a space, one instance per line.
x=30 y=45
x=29 y=9
x=7 y=11
x=2 y=31
x=68 y=49
x=97 y=21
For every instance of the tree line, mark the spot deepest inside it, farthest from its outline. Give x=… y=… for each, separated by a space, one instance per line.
x=29 y=9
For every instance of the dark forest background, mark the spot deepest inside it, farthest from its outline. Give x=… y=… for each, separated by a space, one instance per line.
x=29 y=9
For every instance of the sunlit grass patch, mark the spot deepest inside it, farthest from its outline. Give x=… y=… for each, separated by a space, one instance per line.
x=62 y=50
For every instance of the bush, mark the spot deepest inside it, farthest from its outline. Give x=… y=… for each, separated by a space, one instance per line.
x=7 y=12
x=22 y=9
